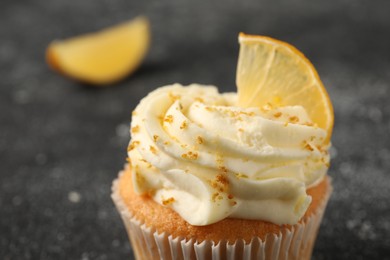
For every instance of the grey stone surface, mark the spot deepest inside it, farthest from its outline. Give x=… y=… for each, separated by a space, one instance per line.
x=62 y=143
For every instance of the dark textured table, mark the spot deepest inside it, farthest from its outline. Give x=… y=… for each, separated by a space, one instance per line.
x=62 y=143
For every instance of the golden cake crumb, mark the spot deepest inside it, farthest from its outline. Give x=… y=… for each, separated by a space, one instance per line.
x=199 y=140
x=168 y=119
x=214 y=196
x=183 y=125
x=241 y=175
x=223 y=169
x=153 y=149
x=222 y=179
x=190 y=155
x=293 y=119
x=309 y=147
x=278 y=114
x=135 y=129
x=220 y=183
x=132 y=145
x=168 y=201
x=155 y=138
x=244 y=113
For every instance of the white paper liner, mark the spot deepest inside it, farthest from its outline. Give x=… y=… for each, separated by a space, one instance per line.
x=294 y=243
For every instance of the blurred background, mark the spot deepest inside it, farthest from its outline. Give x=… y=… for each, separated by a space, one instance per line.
x=62 y=143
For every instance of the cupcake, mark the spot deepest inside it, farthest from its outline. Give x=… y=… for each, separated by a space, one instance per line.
x=229 y=176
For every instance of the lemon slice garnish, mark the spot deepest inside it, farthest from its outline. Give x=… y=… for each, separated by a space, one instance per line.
x=272 y=72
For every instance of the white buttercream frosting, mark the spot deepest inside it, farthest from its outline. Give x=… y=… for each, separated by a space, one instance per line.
x=194 y=150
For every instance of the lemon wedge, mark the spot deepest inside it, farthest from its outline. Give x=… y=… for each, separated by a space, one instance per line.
x=102 y=57
x=272 y=72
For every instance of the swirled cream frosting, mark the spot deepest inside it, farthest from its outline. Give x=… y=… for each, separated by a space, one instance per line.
x=194 y=150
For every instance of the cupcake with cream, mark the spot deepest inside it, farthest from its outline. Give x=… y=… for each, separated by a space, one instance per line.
x=211 y=178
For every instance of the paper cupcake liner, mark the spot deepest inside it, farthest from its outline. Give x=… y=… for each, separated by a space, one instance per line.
x=295 y=242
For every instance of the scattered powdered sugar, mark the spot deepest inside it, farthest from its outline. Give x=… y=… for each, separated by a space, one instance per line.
x=74 y=197
x=122 y=130
x=363 y=229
